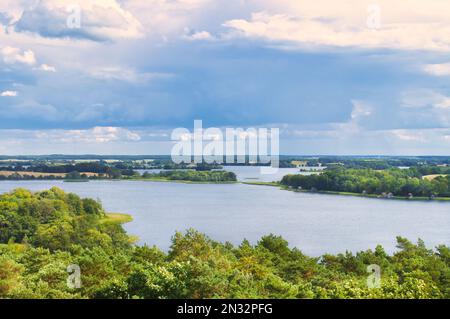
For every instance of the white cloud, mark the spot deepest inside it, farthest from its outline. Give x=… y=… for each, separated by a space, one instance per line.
x=13 y=55
x=335 y=130
x=423 y=98
x=360 y=109
x=29 y=108
x=166 y=17
x=11 y=9
x=95 y=140
x=98 y=134
x=415 y=25
x=442 y=69
x=409 y=135
x=46 y=68
x=199 y=35
x=426 y=107
x=124 y=74
x=9 y=93
x=100 y=20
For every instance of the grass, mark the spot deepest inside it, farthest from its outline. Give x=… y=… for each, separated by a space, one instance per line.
x=117 y=218
x=132 y=239
x=263 y=183
x=432 y=176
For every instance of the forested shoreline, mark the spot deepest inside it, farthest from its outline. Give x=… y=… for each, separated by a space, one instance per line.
x=395 y=182
x=201 y=176
x=191 y=176
x=42 y=233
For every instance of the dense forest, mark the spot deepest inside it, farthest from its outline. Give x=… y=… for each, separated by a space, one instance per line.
x=193 y=176
x=42 y=233
x=93 y=167
x=96 y=170
x=200 y=174
x=400 y=182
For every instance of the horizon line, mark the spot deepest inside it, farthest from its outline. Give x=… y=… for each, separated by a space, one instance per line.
x=169 y=155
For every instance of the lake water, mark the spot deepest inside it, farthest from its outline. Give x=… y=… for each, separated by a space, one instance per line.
x=253 y=174
x=315 y=223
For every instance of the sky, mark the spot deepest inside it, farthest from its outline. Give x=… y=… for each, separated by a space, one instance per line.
x=350 y=77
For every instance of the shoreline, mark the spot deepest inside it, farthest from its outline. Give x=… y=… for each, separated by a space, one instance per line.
x=122 y=180
x=270 y=184
x=371 y=196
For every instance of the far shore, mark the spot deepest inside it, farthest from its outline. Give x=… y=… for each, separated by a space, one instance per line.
x=271 y=184
x=375 y=196
x=167 y=180
x=163 y=180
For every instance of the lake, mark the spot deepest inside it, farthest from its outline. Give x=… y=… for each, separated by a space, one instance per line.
x=315 y=223
x=253 y=174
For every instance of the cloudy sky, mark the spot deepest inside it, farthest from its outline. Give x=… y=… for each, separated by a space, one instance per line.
x=337 y=77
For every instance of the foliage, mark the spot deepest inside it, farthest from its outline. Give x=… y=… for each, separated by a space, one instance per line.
x=42 y=233
x=396 y=181
x=193 y=176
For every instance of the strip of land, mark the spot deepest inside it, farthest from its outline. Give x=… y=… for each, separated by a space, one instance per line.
x=40 y=174
x=283 y=187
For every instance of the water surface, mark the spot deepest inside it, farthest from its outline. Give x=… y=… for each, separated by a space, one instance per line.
x=315 y=223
